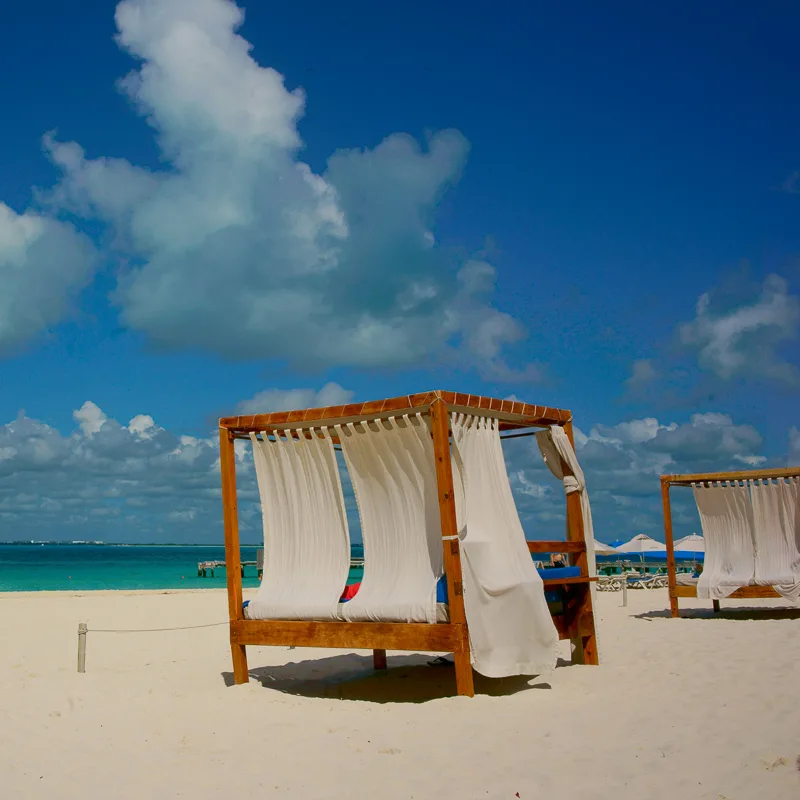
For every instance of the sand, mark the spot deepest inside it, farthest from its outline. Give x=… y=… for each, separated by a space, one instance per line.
x=693 y=708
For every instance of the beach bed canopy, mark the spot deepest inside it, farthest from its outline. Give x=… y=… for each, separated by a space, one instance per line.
x=751 y=533
x=434 y=500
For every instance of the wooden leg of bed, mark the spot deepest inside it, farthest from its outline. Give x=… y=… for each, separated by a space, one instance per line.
x=673 y=607
x=716 y=606
x=590 y=656
x=239 y=654
x=578 y=656
x=464 y=682
x=379 y=659
x=580 y=617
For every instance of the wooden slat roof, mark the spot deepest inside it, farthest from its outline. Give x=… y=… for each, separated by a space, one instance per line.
x=746 y=475
x=512 y=414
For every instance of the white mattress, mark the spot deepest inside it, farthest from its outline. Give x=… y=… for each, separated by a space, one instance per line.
x=442 y=612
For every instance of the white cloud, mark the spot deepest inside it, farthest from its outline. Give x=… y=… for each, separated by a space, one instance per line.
x=239 y=248
x=751 y=461
x=112 y=483
x=51 y=482
x=643 y=373
x=143 y=426
x=44 y=263
x=623 y=463
x=90 y=417
x=290 y=399
x=634 y=431
x=744 y=340
x=525 y=486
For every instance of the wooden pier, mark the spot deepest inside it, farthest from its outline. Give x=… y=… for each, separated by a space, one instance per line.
x=207 y=568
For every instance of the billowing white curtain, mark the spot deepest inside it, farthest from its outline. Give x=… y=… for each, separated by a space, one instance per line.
x=392 y=468
x=557 y=450
x=776 y=520
x=726 y=516
x=306 y=537
x=510 y=627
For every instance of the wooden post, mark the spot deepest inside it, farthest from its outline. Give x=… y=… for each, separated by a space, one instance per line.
x=82 y=630
x=440 y=428
x=715 y=603
x=672 y=579
x=230 y=515
x=379 y=659
x=624 y=590
x=584 y=647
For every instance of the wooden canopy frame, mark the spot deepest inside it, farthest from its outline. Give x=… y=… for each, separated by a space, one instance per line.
x=575 y=622
x=675 y=591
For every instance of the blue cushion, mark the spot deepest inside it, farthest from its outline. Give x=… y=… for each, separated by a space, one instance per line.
x=441 y=589
x=560 y=572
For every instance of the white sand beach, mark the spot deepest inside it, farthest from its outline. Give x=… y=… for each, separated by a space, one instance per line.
x=701 y=707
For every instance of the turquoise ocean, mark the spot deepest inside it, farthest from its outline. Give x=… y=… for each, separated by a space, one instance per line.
x=81 y=567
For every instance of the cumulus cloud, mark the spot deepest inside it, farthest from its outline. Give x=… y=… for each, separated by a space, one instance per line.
x=290 y=399
x=44 y=263
x=139 y=482
x=240 y=248
x=90 y=417
x=623 y=463
x=106 y=480
x=744 y=340
x=643 y=373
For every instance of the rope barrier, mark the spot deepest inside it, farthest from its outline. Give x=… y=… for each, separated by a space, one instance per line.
x=83 y=629
x=155 y=630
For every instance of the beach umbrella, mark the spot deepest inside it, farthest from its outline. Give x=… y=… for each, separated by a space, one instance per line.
x=616 y=543
x=691 y=544
x=603 y=549
x=641 y=543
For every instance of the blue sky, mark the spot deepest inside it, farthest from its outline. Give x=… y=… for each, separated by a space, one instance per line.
x=591 y=207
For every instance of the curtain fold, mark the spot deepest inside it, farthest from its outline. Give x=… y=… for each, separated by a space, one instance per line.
x=558 y=453
x=726 y=517
x=306 y=537
x=510 y=627
x=776 y=531
x=557 y=450
x=392 y=468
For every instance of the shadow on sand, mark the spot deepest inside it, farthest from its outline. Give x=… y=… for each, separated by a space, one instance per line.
x=724 y=613
x=409 y=679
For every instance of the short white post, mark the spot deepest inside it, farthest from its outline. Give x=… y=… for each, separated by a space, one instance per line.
x=624 y=590
x=82 y=631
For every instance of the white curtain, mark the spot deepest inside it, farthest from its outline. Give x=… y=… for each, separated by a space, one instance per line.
x=306 y=538
x=555 y=447
x=510 y=627
x=726 y=516
x=776 y=518
x=392 y=468
x=557 y=451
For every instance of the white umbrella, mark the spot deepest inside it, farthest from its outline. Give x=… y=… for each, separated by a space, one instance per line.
x=603 y=549
x=693 y=543
x=641 y=543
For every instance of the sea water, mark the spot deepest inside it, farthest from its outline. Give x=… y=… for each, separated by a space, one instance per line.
x=81 y=567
